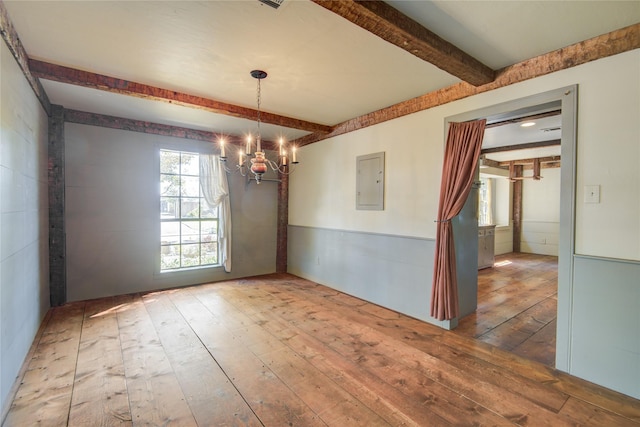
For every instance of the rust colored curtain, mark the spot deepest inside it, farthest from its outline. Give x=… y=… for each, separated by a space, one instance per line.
x=461 y=155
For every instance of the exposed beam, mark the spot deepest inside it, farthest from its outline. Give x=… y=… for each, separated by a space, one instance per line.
x=393 y=26
x=112 y=122
x=524 y=162
x=613 y=43
x=548 y=165
x=491 y=163
x=528 y=145
x=524 y=118
x=58 y=73
x=527 y=164
x=10 y=37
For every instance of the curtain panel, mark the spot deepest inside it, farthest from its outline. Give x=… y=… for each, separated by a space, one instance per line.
x=462 y=152
x=215 y=190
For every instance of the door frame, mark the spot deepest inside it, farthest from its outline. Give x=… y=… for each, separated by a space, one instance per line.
x=567 y=99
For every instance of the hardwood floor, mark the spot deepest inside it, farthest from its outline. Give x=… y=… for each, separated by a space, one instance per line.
x=517 y=306
x=281 y=351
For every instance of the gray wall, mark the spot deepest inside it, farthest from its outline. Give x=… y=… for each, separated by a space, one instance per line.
x=606 y=292
x=24 y=220
x=391 y=271
x=113 y=220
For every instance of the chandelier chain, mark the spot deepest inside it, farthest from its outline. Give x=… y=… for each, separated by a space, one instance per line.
x=259 y=98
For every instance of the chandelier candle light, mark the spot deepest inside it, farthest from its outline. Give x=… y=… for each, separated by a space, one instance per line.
x=257 y=162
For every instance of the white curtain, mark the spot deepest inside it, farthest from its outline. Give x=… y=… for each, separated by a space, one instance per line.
x=215 y=189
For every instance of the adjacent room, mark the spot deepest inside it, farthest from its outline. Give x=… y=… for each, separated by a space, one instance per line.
x=518 y=196
x=310 y=212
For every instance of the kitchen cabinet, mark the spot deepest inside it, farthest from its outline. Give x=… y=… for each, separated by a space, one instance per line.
x=486 y=246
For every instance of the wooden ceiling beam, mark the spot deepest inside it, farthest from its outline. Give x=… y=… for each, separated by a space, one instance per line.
x=10 y=37
x=113 y=122
x=524 y=119
x=393 y=26
x=525 y=162
x=525 y=146
x=58 y=73
x=605 y=45
x=491 y=163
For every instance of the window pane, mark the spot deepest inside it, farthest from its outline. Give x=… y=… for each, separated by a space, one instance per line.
x=190 y=208
x=169 y=162
x=190 y=232
x=186 y=241
x=190 y=186
x=169 y=185
x=209 y=231
x=209 y=253
x=169 y=257
x=190 y=164
x=169 y=232
x=190 y=255
x=206 y=211
x=168 y=207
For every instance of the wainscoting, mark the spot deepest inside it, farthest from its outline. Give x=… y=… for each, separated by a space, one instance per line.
x=597 y=337
x=605 y=347
x=540 y=237
x=392 y=271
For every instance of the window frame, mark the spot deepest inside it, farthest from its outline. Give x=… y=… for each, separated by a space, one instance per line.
x=486 y=204
x=179 y=219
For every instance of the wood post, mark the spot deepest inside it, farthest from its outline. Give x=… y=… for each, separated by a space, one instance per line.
x=536 y=169
x=517 y=208
x=57 y=233
x=283 y=223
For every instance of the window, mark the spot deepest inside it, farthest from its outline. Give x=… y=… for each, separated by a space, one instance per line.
x=188 y=227
x=485 y=202
x=494 y=200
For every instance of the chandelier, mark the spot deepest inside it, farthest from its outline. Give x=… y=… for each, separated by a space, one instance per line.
x=257 y=162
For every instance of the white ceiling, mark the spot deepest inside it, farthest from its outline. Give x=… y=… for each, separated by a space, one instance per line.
x=321 y=67
x=543 y=129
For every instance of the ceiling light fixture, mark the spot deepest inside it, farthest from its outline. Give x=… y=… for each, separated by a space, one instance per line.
x=257 y=162
x=527 y=124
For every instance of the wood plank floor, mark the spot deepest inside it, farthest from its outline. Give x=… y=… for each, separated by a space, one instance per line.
x=517 y=306
x=281 y=351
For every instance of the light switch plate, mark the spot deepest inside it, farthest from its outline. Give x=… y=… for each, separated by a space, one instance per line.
x=592 y=194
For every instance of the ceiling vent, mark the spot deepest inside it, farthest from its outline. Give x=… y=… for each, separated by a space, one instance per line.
x=273 y=3
x=550 y=129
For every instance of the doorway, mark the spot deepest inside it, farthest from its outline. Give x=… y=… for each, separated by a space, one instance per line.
x=563 y=101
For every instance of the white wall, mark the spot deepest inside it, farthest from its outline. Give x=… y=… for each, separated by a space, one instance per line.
x=24 y=219
x=113 y=219
x=608 y=154
x=504 y=240
x=322 y=192
x=504 y=228
x=503 y=197
x=541 y=213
